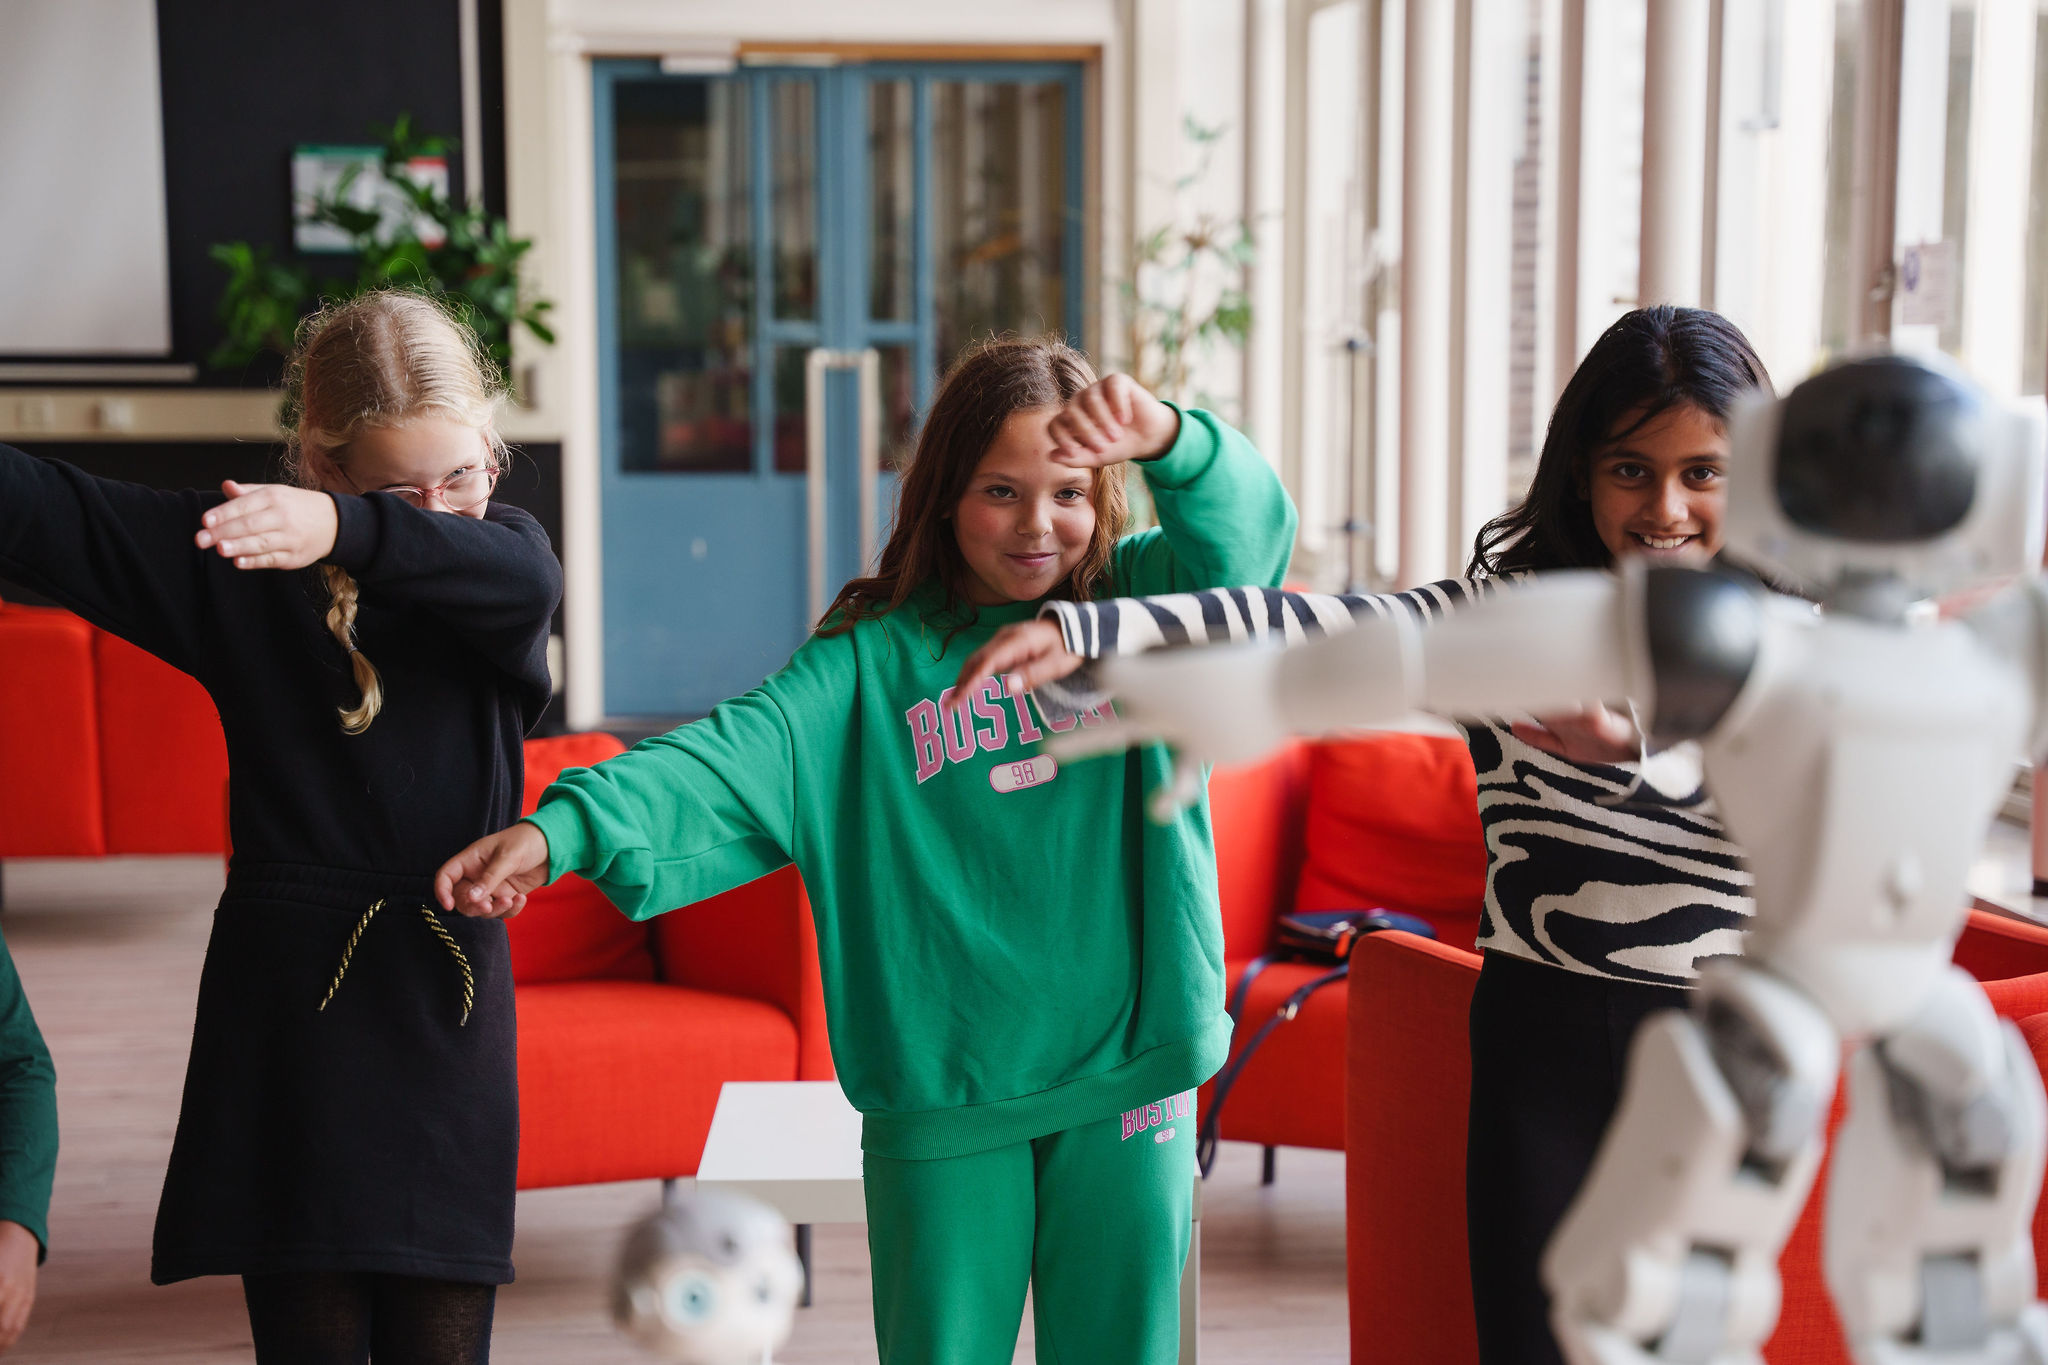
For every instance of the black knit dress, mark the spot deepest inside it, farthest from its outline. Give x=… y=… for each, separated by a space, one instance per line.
x=381 y=1133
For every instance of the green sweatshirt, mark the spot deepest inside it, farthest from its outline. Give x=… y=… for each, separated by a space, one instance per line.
x=1008 y=948
x=28 y=1111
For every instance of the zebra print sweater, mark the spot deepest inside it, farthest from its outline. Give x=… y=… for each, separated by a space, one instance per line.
x=1614 y=870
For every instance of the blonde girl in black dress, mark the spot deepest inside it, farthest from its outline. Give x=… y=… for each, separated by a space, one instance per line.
x=374 y=635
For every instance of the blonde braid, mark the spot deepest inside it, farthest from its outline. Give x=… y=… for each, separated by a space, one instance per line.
x=341 y=623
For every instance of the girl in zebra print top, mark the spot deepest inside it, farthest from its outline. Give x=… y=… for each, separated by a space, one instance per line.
x=1615 y=869
x=1608 y=876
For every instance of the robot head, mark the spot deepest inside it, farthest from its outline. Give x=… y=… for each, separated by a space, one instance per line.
x=1887 y=466
x=709 y=1281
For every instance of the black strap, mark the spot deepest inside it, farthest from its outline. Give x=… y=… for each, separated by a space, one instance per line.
x=1205 y=1135
x=1244 y=985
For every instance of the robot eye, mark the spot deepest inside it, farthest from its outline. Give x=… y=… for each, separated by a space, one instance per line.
x=692 y=1299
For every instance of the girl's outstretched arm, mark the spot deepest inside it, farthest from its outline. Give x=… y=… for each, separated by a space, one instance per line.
x=121 y=555
x=670 y=822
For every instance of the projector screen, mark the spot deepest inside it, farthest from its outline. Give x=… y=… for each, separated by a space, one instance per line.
x=84 y=253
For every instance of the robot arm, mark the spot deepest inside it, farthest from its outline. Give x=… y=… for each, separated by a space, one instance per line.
x=1553 y=644
x=1680 y=642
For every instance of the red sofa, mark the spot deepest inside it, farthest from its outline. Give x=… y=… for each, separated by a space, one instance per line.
x=627 y=1031
x=103 y=749
x=1409 y=1081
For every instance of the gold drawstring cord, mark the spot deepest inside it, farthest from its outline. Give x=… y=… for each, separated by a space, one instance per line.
x=440 y=931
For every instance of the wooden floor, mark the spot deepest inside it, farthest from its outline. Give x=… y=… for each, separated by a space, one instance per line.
x=110 y=952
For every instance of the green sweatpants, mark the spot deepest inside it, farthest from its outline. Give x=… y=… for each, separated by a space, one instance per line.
x=1095 y=1219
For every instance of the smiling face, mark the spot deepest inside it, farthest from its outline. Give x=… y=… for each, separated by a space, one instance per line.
x=1024 y=521
x=448 y=460
x=1659 y=492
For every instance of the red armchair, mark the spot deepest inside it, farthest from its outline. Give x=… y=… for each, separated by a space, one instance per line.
x=1409 y=1080
x=103 y=749
x=627 y=1031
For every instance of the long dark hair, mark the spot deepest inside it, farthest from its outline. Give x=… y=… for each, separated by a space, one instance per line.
x=985 y=385
x=1650 y=361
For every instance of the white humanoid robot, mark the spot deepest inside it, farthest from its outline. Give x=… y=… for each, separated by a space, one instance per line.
x=1858 y=753
x=708 y=1280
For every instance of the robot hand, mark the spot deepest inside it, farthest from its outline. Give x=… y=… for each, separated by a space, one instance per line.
x=1233 y=703
x=1212 y=705
x=711 y=1280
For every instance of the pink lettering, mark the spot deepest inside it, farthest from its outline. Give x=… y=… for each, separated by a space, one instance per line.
x=956 y=729
x=987 y=705
x=1098 y=715
x=1130 y=1123
x=1153 y=1116
x=924 y=738
x=1026 y=730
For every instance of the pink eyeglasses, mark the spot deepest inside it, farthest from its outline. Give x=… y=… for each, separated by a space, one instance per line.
x=459 y=492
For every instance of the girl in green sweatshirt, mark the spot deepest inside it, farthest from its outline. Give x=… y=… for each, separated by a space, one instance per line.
x=1023 y=975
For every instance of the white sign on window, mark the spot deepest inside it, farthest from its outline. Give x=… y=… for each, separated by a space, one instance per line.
x=1927 y=284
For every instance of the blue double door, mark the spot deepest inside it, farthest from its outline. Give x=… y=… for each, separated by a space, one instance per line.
x=788 y=258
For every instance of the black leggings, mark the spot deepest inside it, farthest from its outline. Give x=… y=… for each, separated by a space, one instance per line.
x=328 y=1317
x=1549 y=1054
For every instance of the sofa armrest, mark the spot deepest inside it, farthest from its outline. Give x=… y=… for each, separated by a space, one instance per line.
x=755 y=941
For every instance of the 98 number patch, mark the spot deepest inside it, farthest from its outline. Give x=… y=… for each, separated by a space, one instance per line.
x=1030 y=772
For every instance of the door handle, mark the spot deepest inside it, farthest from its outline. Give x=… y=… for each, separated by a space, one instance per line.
x=868 y=363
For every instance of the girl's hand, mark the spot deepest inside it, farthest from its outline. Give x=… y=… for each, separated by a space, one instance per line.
x=270 y=526
x=1112 y=419
x=1594 y=735
x=1029 y=652
x=491 y=878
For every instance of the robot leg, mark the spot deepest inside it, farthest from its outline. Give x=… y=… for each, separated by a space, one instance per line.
x=1930 y=1253
x=1670 y=1252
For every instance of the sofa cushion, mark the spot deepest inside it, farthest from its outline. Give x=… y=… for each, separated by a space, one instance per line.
x=569 y=931
x=50 y=798
x=1256 y=810
x=629 y=1073
x=163 y=761
x=1393 y=822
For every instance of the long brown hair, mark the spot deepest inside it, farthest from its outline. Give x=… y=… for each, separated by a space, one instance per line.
x=381 y=359
x=984 y=387
x=1650 y=361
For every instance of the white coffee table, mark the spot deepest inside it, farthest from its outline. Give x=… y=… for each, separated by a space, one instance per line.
x=795 y=1146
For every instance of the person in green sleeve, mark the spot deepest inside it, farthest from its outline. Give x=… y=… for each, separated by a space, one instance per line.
x=1023 y=975
x=28 y=1151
